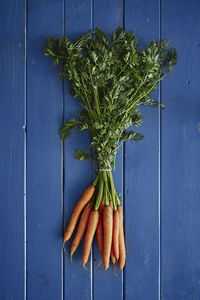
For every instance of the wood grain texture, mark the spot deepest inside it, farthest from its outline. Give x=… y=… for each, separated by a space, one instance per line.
x=141 y=176
x=77 y=175
x=12 y=86
x=39 y=270
x=108 y=16
x=181 y=154
x=44 y=155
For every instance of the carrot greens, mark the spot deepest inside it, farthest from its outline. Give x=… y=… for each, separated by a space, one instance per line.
x=111 y=79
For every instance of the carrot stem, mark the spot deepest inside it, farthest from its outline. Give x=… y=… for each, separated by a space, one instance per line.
x=113 y=191
x=100 y=193
x=91 y=203
x=118 y=200
x=106 y=190
x=96 y=180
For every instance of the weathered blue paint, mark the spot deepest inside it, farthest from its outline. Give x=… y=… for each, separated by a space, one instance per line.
x=157 y=177
x=142 y=176
x=44 y=155
x=12 y=87
x=180 y=188
x=77 y=175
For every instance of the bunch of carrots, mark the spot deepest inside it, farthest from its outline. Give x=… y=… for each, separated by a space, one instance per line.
x=110 y=78
x=98 y=215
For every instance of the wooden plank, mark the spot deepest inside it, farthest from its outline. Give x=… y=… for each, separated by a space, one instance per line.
x=141 y=176
x=108 y=15
x=44 y=148
x=12 y=82
x=181 y=154
x=78 y=175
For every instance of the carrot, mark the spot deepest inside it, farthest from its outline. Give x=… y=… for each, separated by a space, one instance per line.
x=99 y=232
x=102 y=204
x=122 y=248
x=91 y=228
x=107 y=234
x=116 y=234
x=112 y=257
x=81 y=228
x=85 y=198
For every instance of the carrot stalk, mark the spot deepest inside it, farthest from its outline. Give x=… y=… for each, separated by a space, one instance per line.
x=81 y=228
x=85 y=198
x=100 y=193
x=91 y=228
x=122 y=248
x=107 y=234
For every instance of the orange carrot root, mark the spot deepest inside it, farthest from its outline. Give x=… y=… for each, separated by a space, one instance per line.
x=112 y=257
x=85 y=198
x=107 y=234
x=122 y=248
x=101 y=205
x=91 y=228
x=99 y=232
x=81 y=228
x=116 y=234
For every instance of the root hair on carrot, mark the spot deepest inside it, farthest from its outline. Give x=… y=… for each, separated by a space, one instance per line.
x=98 y=264
x=86 y=268
x=115 y=270
x=70 y=259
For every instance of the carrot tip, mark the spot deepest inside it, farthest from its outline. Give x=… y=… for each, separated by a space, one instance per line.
x=71 y=252
x=106 y=267
x=85 y=268
x=121 y=267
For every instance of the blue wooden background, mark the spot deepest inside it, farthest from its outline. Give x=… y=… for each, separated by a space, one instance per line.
x=40 y=181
